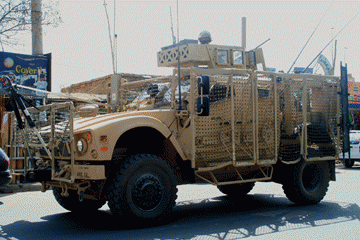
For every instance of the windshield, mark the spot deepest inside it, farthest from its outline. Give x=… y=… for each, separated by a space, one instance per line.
x=185 y=86
x=144 y=94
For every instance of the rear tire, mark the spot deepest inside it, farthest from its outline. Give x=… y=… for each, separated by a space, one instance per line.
x=236 y=190
x=73 y=204
x=348 y=163
x=308 y=183
x=144 y=188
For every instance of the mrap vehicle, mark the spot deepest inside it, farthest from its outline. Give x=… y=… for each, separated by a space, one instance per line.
x=221 y=121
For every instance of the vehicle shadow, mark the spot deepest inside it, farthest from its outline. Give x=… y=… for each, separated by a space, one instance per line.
x=215 y=218
x=355 y=167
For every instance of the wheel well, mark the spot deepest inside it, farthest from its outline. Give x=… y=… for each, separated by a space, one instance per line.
x=140 y=140
x=148 y=140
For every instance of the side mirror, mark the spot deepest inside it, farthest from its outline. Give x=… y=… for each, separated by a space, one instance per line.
x=203 y=102
x=203 y=106
x=204 y=85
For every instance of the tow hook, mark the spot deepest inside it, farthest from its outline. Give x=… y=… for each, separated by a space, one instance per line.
x=81 y=189
x=81 y=196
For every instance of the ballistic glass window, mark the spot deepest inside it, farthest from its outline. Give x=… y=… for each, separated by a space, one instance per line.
x=238 y=57
x=223 y=57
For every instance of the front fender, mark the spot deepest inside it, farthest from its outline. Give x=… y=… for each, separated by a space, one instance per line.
x=106 y=134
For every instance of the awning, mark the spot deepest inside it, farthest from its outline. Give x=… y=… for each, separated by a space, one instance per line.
x=354 y=105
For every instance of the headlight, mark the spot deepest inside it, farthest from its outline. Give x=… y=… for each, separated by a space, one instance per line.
x=81 y=145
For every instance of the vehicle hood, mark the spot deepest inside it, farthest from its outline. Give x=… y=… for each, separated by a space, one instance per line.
x=100 y=121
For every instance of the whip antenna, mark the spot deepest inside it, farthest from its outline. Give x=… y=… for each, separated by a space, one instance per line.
x=331 y=41
x=309 y=39
x=178 y=50
x=172 y=28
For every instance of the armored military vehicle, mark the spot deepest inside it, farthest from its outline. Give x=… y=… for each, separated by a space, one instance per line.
x=222 y=120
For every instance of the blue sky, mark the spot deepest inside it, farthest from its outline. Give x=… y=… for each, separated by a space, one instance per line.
x=81 y=50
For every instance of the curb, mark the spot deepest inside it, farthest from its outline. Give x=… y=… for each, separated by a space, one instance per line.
x=20 y=187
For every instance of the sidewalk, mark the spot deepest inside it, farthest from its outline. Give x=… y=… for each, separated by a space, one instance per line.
x=20 y=187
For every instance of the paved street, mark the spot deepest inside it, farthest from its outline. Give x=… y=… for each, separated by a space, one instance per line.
x=202 y=212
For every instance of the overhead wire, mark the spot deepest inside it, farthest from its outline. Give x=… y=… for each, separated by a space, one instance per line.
x=310 y=37
x=331 y=41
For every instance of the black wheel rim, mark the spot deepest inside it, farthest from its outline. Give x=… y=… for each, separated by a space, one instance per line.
x=147 y=192
x=311 y=177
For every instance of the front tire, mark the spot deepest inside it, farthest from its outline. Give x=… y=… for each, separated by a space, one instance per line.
x=308 y=183
x=73 y=204
x=145 y=188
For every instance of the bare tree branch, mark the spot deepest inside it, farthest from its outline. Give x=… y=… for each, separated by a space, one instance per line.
x=15 y=17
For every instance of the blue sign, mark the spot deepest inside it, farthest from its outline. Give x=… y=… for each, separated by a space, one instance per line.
x=27 y=70
x=301 y=69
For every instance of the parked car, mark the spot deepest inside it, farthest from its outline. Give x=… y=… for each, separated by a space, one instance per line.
x=5 y=176
x=354 y=150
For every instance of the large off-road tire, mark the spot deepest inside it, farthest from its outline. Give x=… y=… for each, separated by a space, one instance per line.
x=144 y=188
x=72 y=202
x=348 y=163
x=236 y=190
x=308 y=183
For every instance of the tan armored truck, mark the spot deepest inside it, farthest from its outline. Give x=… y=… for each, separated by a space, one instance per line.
x=228 y=124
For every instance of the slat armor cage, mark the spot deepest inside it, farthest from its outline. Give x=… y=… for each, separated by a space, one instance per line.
x=258 y=117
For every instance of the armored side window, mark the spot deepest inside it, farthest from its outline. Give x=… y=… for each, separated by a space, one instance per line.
x=223 y=57
x=238 y=57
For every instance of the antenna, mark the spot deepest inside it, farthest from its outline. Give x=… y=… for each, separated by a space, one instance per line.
x=334 y=59
x=262 y=43
x=309 y=39
x=331 y=41
x=180 y=107
x=172 y=28
x=111 y=45
x=115 y=40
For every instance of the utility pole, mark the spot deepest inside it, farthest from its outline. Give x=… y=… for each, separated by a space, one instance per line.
x=36 y=28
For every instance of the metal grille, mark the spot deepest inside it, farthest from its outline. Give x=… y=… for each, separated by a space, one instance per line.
x=244 y=118
x=213 y=133
x=311 y=101
x=54 y=123
x=266 y=117
x=268 y=114
x=323 y=110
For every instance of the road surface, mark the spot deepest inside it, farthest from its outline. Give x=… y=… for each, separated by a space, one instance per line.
x=202 y=212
